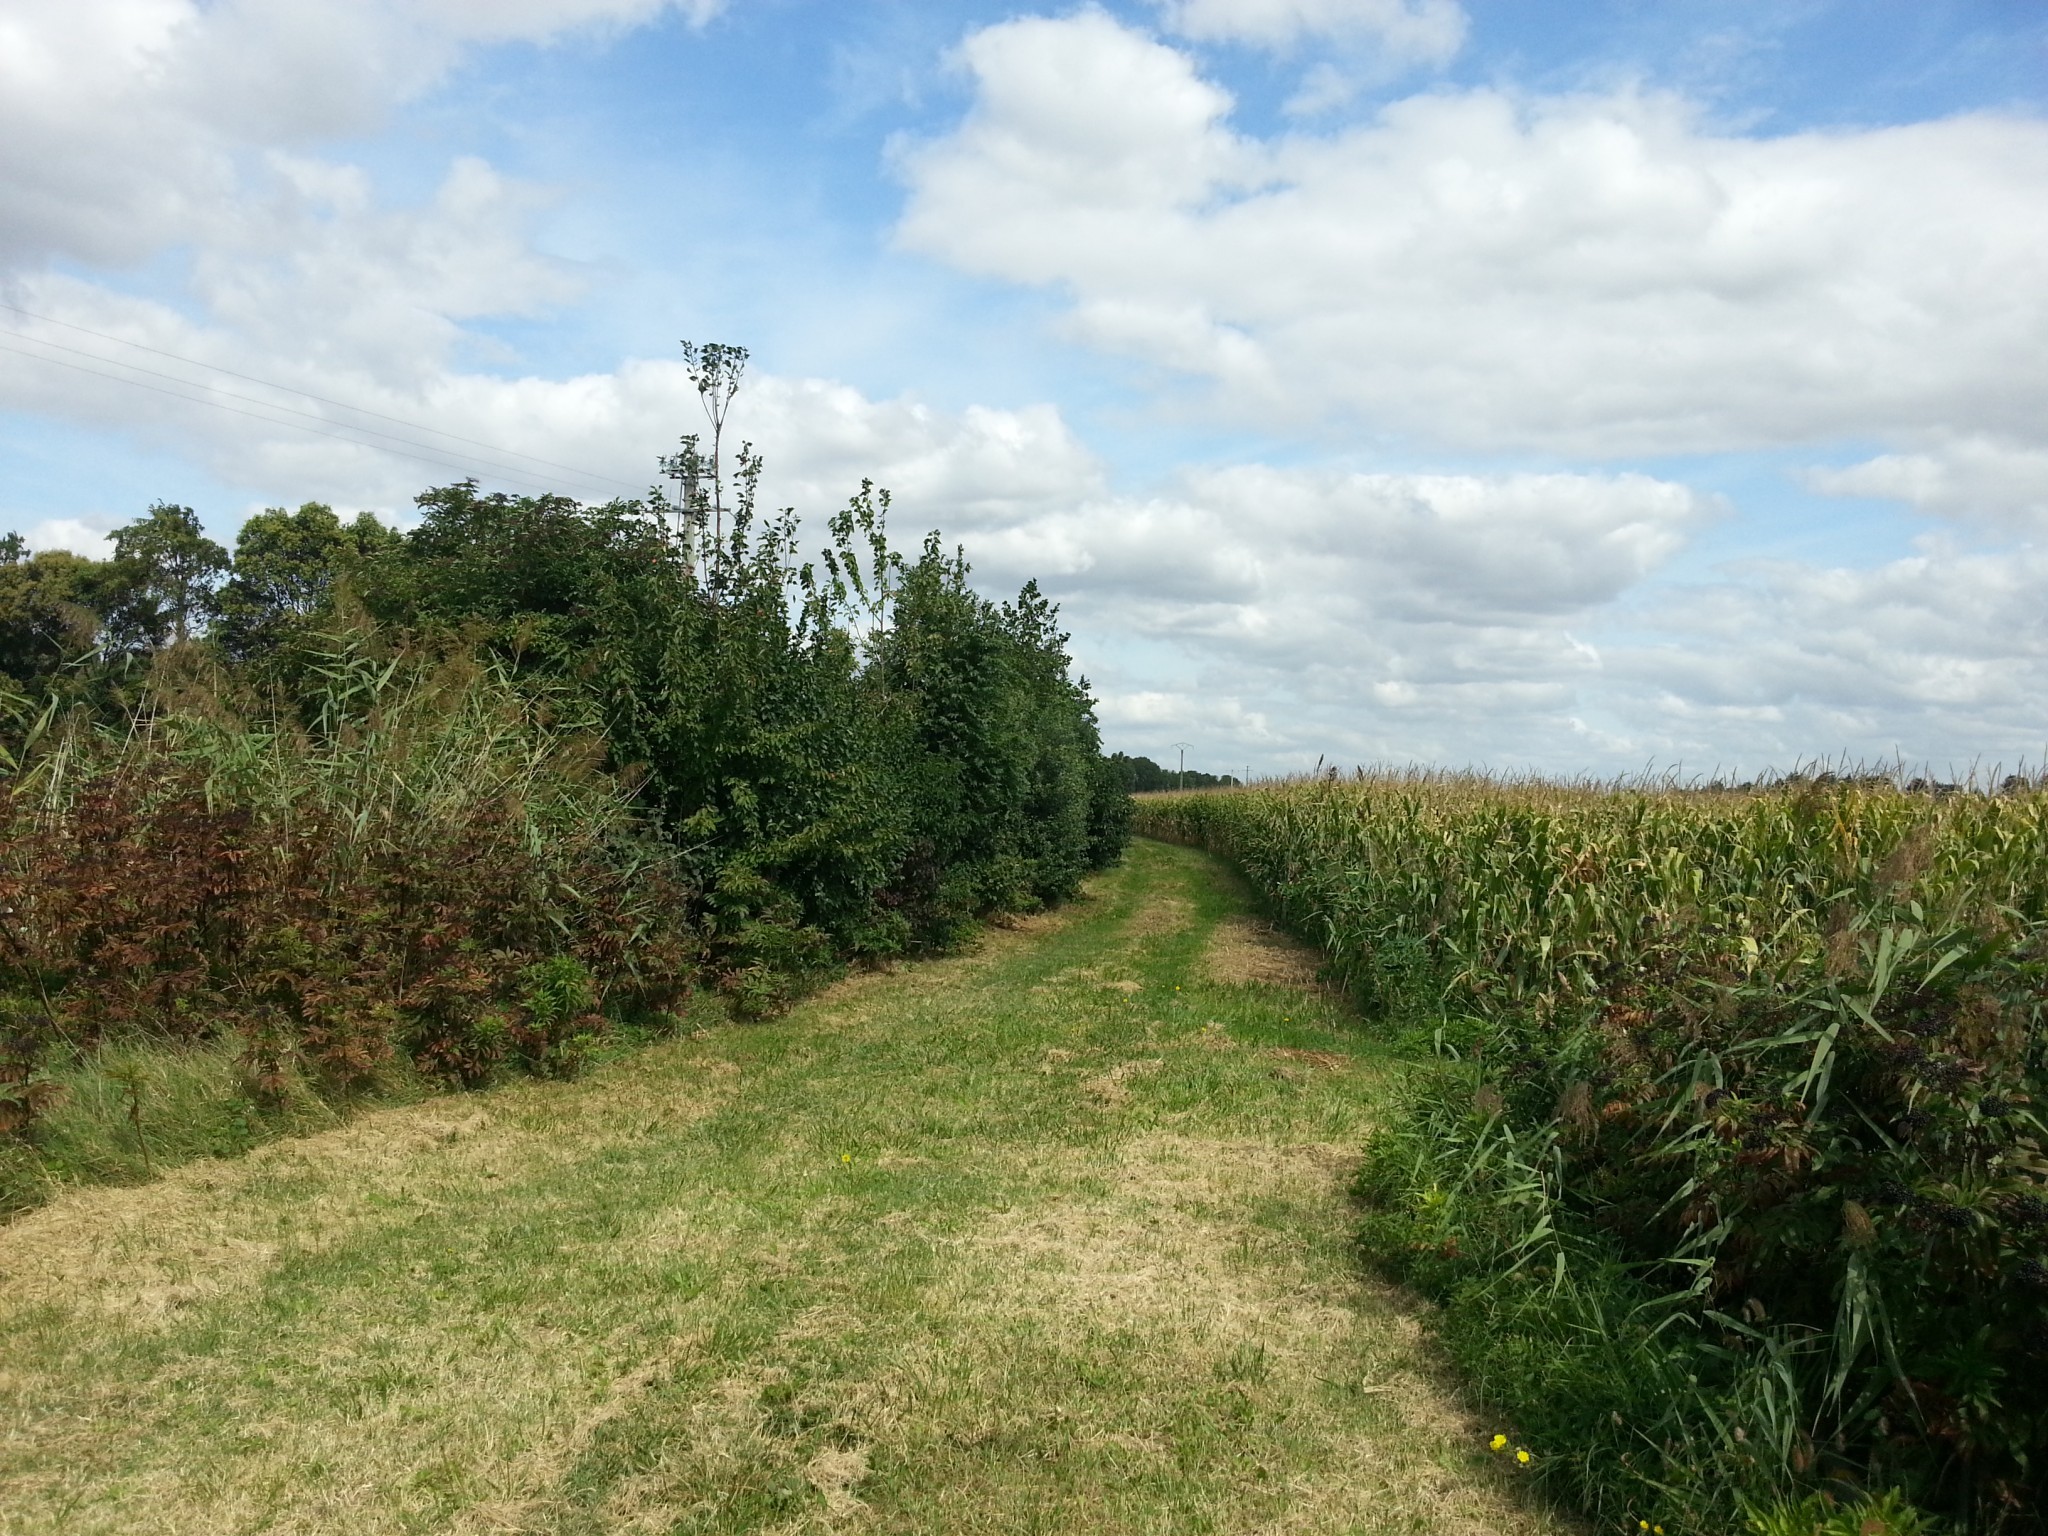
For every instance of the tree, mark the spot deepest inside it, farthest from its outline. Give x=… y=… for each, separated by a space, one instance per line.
x=716 y=368
x=159 y=587
x=287 y=566
x=1142 y=776
x=45 y=616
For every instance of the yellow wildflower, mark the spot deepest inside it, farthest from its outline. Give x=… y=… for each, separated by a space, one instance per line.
x=1498 y=1443
x=1522 y=1456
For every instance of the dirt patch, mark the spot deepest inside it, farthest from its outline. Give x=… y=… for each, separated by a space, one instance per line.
x=1328 y=1061
x=835 y=1474
x=1177 y=1255
x=544 y=1465
x=1243 y=949
x=1168 y=1231
x=1167 y=914
x=1111 y=1087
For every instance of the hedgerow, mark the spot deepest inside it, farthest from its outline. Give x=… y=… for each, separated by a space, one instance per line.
x=464 y=798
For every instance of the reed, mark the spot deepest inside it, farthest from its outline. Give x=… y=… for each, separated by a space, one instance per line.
x=410 y=871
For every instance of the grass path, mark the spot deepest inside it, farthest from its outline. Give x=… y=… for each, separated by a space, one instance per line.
x=1047 y=1238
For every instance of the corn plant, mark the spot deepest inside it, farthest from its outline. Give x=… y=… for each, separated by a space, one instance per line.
x=1777 y=1053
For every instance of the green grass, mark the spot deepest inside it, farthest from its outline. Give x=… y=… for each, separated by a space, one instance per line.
x=1049 y=1237
x=137 y=1108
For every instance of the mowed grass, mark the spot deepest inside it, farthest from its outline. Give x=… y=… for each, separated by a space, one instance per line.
x=1049 y=1237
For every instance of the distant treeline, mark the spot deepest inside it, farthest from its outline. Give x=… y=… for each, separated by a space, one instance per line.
x=475 y=793
x=1143 y=776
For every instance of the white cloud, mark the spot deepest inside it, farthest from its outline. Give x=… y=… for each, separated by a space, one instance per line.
x=1405 y=31
x=1937 y=660
x=1940 y=658
x=126 y=125
x=1593 y=275
x=1305 y=609
x=1086 y=118
x=1518 y=620
x=1301 y=557
x=1974 y=479
x=594 y=435
x=80 y=536
x=129 y=128
x=1586 y=276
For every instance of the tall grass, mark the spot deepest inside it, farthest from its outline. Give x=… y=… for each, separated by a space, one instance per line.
x=414 y=871
x=1730 y=1170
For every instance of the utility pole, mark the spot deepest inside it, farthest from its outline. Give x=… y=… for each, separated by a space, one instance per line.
x=1180 y=778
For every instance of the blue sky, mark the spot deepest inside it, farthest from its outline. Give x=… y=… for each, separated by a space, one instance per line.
x=1570 y=386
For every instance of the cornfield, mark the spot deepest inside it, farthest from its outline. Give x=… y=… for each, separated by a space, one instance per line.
x=1734 y=1168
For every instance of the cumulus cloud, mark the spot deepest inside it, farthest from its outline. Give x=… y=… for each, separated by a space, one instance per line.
x=1589 y=278
x=314 y=286
x=129 y=128
x=1975 y=479
x=1938 y=660
x=129 y=124
x=1405 y=31
x=1305 y=606
x=80 y=536
x=1602 y=275
x=375 y=422
x=1293 y=558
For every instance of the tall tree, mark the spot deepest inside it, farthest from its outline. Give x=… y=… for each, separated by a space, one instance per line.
x=45 y=615
x=159 y=587
x=287 y=565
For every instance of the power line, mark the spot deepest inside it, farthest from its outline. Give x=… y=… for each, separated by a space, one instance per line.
x=440 y=463
x=250 y=378
x=268 y=405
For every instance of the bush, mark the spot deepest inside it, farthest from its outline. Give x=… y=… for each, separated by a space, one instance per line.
x=857 y=757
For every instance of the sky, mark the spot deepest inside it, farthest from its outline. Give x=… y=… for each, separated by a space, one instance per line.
x=1576 y=386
